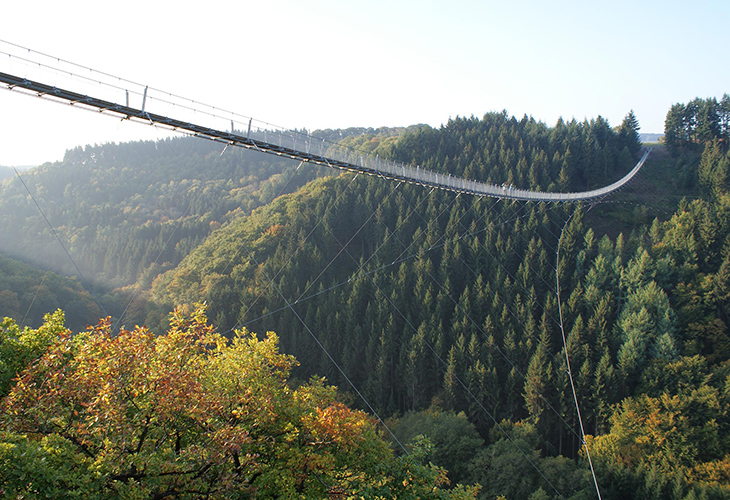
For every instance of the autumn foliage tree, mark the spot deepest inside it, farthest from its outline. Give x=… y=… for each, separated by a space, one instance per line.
x=676 y=429
x=190 y=414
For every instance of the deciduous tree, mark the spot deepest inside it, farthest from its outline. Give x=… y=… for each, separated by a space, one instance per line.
x=189 y=415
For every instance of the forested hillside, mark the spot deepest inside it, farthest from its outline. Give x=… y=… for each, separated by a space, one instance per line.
x=453 y=253
x=443 y=314
x=28 y=293
x=128 y=211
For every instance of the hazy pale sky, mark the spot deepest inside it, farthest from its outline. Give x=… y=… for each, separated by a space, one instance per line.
x=335 y=64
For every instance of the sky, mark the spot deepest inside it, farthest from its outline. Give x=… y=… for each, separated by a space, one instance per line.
x=319 y=64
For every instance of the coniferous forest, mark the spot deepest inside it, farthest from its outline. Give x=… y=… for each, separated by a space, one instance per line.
x=438 y=337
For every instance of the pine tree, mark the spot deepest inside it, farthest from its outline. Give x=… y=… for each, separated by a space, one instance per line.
x=629 y=134
x=416 y=367
x=452 y=390
x=536 y=382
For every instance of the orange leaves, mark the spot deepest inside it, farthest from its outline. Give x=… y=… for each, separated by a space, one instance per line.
x=130 y=395
x=336 y=424
x=274 y=230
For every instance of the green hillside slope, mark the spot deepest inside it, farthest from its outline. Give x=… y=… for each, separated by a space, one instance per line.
x=382 y=264
x=128 y=211
x=27 y=293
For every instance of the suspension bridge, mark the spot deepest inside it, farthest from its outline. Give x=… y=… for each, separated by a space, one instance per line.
x=306 y=148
